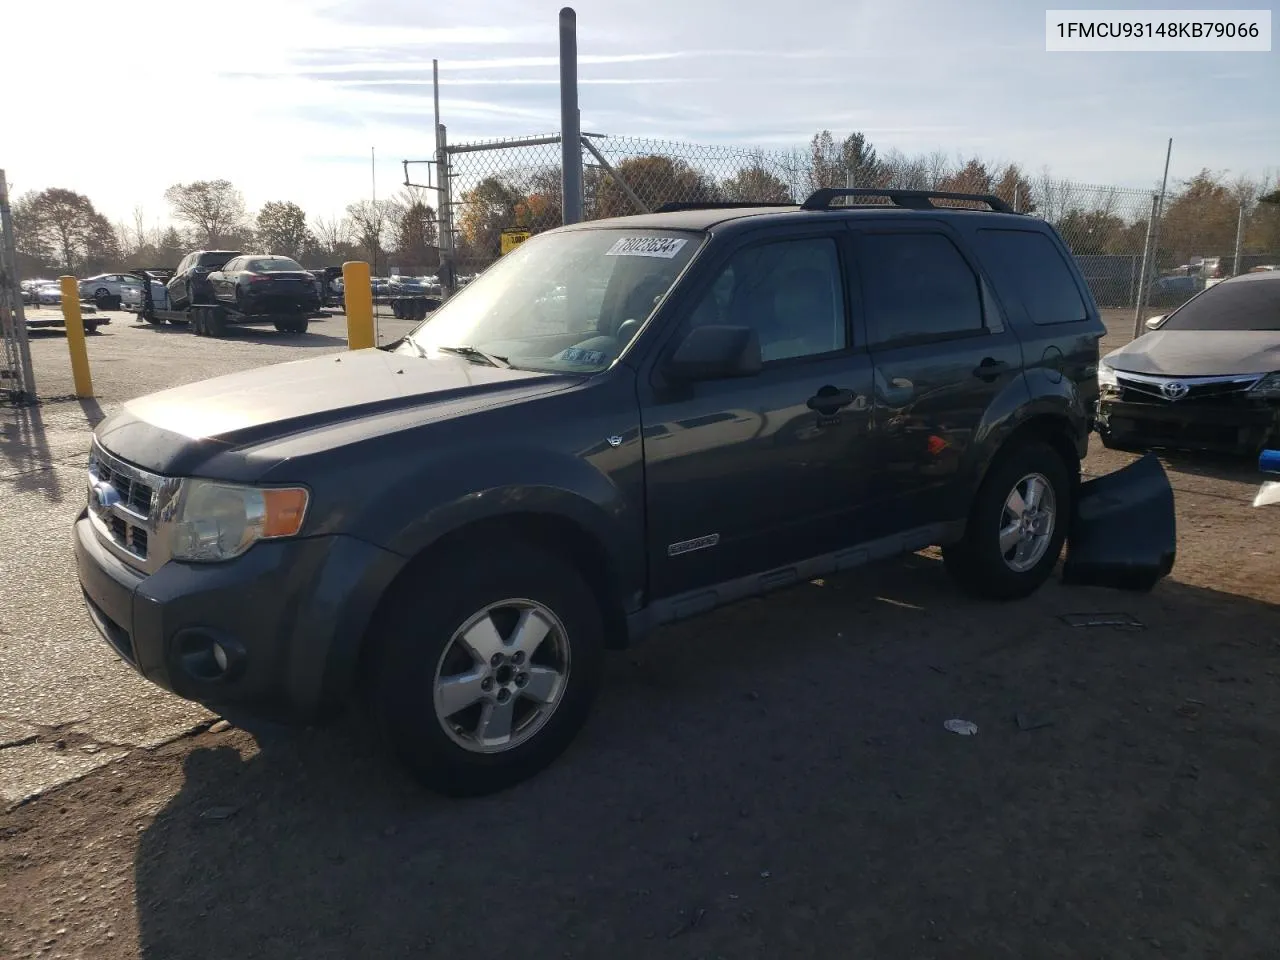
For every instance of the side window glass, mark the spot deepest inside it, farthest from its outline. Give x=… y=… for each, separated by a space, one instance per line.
x=1029 y=263
x=789 y=291
x=917 y=286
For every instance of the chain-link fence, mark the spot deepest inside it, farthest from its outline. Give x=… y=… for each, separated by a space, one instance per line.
x=514 y=187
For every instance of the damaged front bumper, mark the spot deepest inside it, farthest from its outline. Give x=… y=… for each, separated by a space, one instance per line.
x=1225 y=426
x=1124 y=532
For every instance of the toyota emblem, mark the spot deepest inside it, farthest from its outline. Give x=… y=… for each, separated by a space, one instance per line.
x=1174 y=389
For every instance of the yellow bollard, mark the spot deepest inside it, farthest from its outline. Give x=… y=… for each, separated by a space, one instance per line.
x=75 y=337
x=358 y=299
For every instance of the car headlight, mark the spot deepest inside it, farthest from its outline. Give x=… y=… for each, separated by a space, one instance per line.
x=1107 y=377
x=219 y=521
x=1268 y=386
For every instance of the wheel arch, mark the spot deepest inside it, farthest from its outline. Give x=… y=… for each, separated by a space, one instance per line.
x=554 y=531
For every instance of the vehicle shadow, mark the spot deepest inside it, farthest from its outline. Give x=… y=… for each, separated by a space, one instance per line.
x=775 y=780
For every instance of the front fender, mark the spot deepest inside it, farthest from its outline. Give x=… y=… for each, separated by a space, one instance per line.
x=511 y=483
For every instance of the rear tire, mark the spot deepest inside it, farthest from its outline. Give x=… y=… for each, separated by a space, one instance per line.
x=293 y=326
x=1004 y=555
x=420 y=634
x=90 y=326
x=215 y=322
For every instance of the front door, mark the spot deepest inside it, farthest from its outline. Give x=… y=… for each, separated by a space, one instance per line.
x=743 y=475
x=942 y=354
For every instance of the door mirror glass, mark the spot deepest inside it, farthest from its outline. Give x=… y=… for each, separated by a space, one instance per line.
x=716 y=352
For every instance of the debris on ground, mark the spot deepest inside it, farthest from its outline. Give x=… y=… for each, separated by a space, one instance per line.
x=1102 y=620
x=1033 y=721
x=965 y=728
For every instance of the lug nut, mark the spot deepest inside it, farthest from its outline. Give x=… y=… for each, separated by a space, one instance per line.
x=518 y=658
x=504 y=695
x=495 y=660
x=521 y=679
x=486 y=684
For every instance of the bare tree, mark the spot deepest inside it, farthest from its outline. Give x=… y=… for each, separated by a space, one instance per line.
x=368 y=222
x=213 y=209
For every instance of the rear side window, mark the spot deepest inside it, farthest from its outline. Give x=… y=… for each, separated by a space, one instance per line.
x=917 y=286
x=1028 y=263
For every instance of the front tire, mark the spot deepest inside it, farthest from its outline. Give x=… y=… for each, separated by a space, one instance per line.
x=1017 y=525
x=292 y=325
x=487 y=667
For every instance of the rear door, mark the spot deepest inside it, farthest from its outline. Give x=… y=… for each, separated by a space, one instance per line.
x=942 y=354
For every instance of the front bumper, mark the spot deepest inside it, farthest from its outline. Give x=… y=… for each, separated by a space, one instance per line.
x=1237 y=427
x=289 y=615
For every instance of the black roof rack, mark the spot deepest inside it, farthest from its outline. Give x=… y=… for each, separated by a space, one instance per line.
x=676 y=206
x=911 y=199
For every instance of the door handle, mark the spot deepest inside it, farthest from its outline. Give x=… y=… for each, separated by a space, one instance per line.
x=990 y=368
x=830 y=399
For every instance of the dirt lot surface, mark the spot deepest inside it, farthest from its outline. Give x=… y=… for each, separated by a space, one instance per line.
x=772 y=780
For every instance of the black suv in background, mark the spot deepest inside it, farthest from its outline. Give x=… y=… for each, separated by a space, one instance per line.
x=619 y=424
x=189 y=283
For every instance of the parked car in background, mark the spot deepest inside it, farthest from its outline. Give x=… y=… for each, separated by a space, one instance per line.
x=106 y=286
x=381 y=287
x=265 y=285
x=1207 y=376
x=402 y=286
x=47 y=293
x=29 y=288
x=189 y=283
x=1265 y=268
x=1172 y=291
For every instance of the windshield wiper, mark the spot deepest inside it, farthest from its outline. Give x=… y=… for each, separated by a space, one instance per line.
x=471 y=353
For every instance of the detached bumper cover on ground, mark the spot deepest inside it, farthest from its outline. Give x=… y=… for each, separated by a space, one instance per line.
x=1123 y=532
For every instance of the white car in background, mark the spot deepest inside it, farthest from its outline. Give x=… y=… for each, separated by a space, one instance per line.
x=106 y=285
x=48 y=294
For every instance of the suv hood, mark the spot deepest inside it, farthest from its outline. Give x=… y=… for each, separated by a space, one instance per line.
x=1199 y=353
x=175 y=431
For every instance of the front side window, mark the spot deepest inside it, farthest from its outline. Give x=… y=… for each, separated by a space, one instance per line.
x=917 y=286
x=567 y=302
x=790 y=291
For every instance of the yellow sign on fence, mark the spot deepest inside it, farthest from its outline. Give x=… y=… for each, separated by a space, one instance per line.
x=512 y=239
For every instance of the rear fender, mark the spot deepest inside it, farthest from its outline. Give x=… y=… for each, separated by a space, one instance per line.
x=1123 y=531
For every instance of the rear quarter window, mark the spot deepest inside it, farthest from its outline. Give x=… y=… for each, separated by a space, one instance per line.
x=1028 y=264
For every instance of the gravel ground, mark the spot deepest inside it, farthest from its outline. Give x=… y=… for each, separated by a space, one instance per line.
x=770 y=780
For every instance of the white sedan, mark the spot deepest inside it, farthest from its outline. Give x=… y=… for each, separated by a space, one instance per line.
x=107 y=285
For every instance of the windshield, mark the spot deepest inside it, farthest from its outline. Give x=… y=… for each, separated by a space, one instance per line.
x=566 y=302
x=1231 y=305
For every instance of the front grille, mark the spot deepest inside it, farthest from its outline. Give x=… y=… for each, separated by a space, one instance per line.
x=135 y=494
x=128 y=505
x=1198 y=391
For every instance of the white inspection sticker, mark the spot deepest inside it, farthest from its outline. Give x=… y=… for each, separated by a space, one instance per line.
x=662 y=247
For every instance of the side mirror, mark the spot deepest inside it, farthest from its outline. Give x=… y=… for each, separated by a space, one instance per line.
x=716 y=353
x=1153 y=323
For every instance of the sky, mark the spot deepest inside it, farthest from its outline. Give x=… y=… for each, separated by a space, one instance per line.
x=287 y=98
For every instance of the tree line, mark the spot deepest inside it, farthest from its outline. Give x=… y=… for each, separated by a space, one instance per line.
x=60 y=230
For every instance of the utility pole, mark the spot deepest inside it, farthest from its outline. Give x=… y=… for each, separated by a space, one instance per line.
x=570 y=120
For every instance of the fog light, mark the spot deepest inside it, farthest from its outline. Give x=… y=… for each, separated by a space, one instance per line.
x=209 y=657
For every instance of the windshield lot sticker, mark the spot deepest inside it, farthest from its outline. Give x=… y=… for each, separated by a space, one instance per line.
x=662 y=247
x=578 y=355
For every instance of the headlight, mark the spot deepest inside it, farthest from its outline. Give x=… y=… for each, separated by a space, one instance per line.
x=1107 y=377
x=219 y=521
x=1268 y=386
